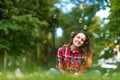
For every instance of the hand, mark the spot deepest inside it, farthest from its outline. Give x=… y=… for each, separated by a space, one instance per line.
x=77 y=74
x=63 y=71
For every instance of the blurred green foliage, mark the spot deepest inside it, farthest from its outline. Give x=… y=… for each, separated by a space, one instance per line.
x=27 y=32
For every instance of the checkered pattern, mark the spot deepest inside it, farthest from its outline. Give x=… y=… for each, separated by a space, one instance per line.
x=69 y=60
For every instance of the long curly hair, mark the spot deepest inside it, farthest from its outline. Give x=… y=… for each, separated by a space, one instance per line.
x=85 y=49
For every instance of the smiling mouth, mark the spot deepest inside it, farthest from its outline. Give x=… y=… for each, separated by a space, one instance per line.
x=78 y=42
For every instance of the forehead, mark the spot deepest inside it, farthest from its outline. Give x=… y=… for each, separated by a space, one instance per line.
x=82 y=35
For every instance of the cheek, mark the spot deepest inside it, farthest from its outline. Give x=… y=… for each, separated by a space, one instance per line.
x=83 y=42
x=73 y=41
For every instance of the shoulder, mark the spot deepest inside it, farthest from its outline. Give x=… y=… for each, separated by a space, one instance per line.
x=63 y=48
x=60 y=50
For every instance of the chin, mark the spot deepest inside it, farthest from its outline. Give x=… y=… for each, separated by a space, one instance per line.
x=77 y=45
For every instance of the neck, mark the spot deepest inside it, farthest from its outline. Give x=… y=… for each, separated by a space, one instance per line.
x=73 y=48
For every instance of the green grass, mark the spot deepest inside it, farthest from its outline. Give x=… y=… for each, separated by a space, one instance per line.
x=45 y=75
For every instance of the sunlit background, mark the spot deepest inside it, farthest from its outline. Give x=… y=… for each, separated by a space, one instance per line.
x=32 y=31
x=67 y=6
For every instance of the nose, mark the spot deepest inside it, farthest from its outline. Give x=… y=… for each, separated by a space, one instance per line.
x=80 y=40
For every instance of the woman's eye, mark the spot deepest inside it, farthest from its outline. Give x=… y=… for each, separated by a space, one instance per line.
x=78 y=37
x=82 y=40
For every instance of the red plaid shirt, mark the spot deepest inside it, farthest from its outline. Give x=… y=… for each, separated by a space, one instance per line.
x=71 y=61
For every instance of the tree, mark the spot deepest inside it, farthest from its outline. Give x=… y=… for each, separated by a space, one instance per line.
x=24 y=28
x=114 y=21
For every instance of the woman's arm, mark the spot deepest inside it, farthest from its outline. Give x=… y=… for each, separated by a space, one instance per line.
x=63 y=71
x=83 y=68
x=59 y=60
x=87 y=63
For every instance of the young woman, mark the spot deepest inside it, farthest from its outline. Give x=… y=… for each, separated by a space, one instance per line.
x=76 y=56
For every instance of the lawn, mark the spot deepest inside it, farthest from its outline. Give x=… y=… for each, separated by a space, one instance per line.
x=48 y=75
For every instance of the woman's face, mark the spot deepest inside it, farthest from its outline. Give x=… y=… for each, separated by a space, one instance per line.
x=79 y=39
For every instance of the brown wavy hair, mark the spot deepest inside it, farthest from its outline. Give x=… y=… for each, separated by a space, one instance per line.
x=85 y=49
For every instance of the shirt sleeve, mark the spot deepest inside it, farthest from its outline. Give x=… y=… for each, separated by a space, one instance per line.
x=83 y=67
x=59 y=63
